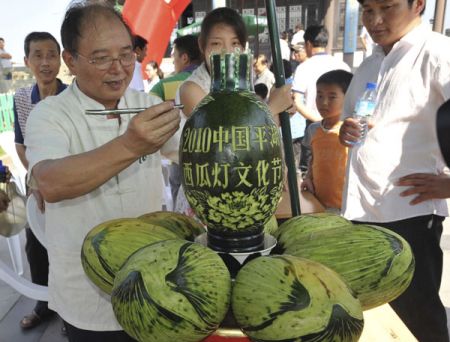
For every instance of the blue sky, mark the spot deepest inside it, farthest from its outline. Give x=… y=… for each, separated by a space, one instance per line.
x=20 y=17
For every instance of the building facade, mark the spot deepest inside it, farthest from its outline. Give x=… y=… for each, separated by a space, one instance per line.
x=330 y=13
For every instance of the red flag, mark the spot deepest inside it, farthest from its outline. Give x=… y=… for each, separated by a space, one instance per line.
x=153 y=20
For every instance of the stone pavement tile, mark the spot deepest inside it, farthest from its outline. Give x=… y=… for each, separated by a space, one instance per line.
x=8 y=296
x=10 y=330
x=53 y=331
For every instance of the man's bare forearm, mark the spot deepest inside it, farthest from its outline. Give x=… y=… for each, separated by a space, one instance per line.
x=77 y=175
x=307 y=113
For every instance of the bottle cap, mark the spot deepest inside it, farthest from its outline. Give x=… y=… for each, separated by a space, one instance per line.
x=371 y=85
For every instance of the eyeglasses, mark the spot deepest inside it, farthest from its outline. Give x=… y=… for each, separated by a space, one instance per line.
x=104 y=62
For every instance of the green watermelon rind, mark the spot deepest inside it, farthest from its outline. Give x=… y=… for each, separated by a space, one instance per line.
x=302 y=227
x=285 y=298
x=376 y=263
x=172 y=290
x=185 y=227
x=108 y=245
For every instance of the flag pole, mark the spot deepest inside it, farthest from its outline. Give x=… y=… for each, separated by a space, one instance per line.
x=284 y=116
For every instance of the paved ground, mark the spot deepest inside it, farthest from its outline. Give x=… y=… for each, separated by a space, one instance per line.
x=13 y=306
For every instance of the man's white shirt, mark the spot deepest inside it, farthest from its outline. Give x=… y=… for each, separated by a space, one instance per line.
x=57 y=128
x=413 y=81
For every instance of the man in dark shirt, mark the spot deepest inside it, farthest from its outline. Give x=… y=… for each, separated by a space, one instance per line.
x=42 y=57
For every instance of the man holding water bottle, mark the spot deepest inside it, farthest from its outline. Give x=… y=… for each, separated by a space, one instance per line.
x=411 y=67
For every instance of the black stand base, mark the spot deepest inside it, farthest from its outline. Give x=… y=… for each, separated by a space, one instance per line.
x=235 y=244
x=235 y=260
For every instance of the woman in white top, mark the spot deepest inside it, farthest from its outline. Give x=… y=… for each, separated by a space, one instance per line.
x=223 y=30
x=154 y=74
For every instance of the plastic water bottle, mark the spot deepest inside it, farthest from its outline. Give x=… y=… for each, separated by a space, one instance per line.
x=364 y=110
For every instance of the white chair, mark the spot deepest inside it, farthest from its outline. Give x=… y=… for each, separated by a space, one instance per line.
x=22 y=285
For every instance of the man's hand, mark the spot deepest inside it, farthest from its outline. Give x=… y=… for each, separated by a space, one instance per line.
x=8 y=175
x=280 y=99
x=426 y=186
x=4 y=201
x=350 y=131
x=307 y=185
x=150 y=129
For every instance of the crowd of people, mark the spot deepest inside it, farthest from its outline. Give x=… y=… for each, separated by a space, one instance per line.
x=85 y=170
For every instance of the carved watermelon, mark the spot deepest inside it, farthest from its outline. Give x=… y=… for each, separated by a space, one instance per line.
x=230 y=154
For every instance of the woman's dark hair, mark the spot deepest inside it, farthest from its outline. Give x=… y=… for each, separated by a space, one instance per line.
x=81 y=14
x=38 y=36
x=227 y=16
x=341 y=78
x=155 y=66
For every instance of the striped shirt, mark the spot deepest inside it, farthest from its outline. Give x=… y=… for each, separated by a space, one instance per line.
x=24 y=101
